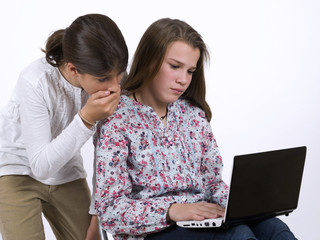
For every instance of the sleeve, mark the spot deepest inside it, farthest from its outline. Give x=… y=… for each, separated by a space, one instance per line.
x=92 y=209
x=46 y=155
x=118 y=211
x=216 y=190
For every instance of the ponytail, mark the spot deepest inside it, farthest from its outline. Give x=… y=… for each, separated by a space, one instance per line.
x=53 y=51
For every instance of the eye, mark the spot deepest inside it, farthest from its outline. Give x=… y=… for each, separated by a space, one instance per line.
x=174 y=66
x=191 y=71
x=103 y=79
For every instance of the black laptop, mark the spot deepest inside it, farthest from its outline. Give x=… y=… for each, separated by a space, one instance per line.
x=263 y=185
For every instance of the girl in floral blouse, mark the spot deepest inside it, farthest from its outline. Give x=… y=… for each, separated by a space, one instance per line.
x=157 y=158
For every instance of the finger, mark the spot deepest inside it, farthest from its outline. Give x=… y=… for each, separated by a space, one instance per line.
x=100 y=94
x=207 y=206
x=108 y=104
x=212 y=206
x=209 y=210
x=210 y=214
x=112 y=100
x=197 y=217
x=103 y=100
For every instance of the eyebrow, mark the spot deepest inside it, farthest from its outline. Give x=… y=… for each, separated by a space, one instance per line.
x=104 y=78
x=109 y=75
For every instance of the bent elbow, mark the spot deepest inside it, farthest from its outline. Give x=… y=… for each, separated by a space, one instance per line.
x=40 y=171
x=40 y=174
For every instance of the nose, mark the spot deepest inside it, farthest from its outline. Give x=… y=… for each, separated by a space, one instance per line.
x=116 y=79
x=113 y=83
x=183 y=77
x=119 y=77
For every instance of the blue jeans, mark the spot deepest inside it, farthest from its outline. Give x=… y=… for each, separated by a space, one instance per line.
x=269 y=229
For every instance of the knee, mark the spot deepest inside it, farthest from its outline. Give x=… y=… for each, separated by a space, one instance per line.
x=277 y=228
x=277 y=224
x=241 y=232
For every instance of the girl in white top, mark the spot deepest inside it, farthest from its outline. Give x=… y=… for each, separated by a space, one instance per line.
x=51 y=114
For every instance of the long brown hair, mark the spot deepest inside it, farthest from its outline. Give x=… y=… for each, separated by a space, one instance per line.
x=151 y=51
x=93 y=43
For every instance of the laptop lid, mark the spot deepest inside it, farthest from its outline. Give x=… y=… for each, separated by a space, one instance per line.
x=265 y=184
x=262 y=185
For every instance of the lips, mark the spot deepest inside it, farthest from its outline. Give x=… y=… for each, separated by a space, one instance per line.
x=177 y=90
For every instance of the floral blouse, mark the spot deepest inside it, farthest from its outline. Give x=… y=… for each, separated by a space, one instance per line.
x=143 y=166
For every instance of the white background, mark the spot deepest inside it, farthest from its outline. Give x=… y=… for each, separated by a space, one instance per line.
x=263 y=81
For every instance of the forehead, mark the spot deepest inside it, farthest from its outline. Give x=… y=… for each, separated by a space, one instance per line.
x=182 y=52
x=107 y=75
x=113 y=72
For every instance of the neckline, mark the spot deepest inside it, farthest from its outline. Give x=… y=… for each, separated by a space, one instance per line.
x=161 y=117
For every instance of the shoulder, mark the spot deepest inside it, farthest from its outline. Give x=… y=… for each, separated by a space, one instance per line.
x=123 y=109
x=38 y=71
x=121 y=116
x=38 y=68
x=190 y=110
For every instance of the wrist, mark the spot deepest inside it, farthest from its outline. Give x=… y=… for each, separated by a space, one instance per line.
x=87 y=122
x=168 y=219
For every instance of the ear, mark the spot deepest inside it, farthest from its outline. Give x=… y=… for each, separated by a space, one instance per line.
x=72 y=69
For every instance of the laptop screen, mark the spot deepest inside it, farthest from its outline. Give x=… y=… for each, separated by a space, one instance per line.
x=265 y=184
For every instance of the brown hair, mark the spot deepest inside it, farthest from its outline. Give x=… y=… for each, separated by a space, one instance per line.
x=93 y=43
x=151 y=51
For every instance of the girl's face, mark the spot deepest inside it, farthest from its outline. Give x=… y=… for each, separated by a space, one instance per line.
x=175 y=73
x=92 y=84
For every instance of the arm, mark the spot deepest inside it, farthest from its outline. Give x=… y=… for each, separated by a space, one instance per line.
x=47 y=155
x=216 y=190
x=119 y=213
x=208 y=156
x=93 y=230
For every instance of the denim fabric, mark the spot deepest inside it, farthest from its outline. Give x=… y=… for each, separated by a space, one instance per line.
x=270 y=229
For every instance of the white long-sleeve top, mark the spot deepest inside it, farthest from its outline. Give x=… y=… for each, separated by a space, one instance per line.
x=41 y=133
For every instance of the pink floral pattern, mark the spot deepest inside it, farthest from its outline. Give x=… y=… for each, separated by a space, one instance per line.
x=143 y=166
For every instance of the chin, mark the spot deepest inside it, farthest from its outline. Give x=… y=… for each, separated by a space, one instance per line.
x=173 y=99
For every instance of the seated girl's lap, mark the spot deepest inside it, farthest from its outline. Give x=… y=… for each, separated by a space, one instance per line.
x=266 y=229
x=175 y=232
